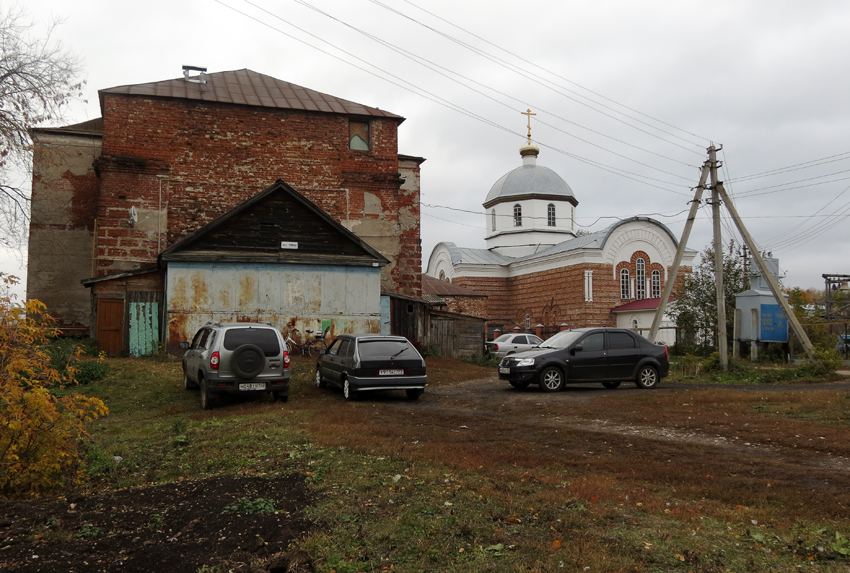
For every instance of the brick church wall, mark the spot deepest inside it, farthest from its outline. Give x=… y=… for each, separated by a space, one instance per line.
x=555 y=296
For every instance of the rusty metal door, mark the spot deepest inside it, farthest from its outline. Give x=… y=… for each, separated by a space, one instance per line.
x=110 y=325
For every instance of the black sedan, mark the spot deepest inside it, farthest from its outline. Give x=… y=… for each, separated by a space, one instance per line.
x=363 y=362
x=605 y=355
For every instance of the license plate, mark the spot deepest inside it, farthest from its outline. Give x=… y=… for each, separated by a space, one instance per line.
x=393 y=372
x=249 y=387
x=504 y=370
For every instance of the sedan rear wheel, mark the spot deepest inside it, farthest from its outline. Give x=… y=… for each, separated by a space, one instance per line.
x=551 y=379
x=647 y=378
x=414 y=393
x=347 y=391
x=611 y=385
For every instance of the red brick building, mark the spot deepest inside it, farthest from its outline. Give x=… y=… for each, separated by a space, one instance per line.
x=168 y=157
x=536 y=269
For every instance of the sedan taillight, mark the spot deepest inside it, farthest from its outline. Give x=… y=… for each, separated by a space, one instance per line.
x=286 y=359
x=497 y=346
x=214 y=359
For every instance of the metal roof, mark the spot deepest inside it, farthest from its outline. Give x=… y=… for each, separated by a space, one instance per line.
x=433 y=286
x=643 y=304
x=529 y=180
x=247 y=87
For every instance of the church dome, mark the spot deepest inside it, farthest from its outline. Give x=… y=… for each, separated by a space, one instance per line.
x=528 y=181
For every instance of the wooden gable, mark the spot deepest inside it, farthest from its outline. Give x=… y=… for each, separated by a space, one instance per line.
x=276 y=225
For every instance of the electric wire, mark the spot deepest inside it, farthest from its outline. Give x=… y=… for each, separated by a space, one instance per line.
x=434 y=67
x=776 y=238
x=435 y=98
x=796 y=167
x=511 y=66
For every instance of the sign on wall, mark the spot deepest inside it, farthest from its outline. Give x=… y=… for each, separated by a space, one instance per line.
x=774 y=324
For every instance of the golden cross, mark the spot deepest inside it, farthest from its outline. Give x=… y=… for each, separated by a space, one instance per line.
x=529 y=114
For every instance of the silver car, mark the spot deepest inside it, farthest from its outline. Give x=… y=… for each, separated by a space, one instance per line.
x=512 y=343
x=236 y=358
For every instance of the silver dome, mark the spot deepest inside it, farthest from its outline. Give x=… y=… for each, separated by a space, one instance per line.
x=529 y=180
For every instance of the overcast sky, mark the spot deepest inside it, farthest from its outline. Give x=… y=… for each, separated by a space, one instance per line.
x=628 y=95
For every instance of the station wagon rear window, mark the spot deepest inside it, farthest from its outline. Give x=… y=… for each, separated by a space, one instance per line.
x=265 y=338
x=372 y=349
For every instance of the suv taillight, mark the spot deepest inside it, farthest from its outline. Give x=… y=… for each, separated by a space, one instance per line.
x=666 y=353
x=286 y=359
x=214 y=358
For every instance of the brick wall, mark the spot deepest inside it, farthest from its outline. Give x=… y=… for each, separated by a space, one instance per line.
x=470 y=305
x=214 y=156
x=555 y=296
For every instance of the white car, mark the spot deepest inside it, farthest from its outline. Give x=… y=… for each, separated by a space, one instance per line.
x=512 y=343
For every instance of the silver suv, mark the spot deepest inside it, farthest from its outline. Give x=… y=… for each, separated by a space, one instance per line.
x=236 y=358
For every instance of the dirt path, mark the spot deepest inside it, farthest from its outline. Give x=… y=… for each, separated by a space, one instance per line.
x=581 y=423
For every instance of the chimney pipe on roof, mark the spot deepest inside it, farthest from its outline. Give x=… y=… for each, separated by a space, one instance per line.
x=199 y=79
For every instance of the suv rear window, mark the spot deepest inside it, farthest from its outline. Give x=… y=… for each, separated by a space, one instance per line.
x=265 y=338
x=386 y=349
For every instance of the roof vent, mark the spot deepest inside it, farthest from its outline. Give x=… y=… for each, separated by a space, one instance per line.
x=201 y=78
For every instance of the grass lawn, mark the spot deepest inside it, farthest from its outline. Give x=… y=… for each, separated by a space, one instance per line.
x=685 y=478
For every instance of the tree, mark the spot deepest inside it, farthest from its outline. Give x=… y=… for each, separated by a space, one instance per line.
x=38 y=78
x=695 y=309
x=39 y=430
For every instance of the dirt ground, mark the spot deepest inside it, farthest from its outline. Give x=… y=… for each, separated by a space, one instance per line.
x=178 y=526
x=172 y=527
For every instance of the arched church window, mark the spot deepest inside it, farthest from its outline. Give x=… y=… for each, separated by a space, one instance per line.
x=656 y=284
x=442 y=275
x=527 y=322
x=625 y=291
x=551 y=217
x=493 y=219
x=640 y=279
x=517 y=215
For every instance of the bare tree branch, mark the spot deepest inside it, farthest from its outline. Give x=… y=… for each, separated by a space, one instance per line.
x=38 y=79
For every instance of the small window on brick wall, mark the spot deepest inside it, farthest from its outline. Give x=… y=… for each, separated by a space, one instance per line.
x=358 y=135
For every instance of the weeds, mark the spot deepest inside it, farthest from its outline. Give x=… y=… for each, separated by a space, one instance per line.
x=89 y=531
x=251 y=507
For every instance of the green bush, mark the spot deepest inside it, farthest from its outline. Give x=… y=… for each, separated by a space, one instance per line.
x=826 y=362
x=90 y=371
x=63 y=351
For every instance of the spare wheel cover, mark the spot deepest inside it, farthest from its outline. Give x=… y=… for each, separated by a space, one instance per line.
x=247 y=361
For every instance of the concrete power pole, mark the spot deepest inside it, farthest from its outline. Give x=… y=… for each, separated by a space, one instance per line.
x=718 y=194
x=722 y=347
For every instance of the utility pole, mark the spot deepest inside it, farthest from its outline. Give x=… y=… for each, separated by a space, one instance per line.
x=718 y=194
x=680 y=251
x=718 y=264
x=768 y=276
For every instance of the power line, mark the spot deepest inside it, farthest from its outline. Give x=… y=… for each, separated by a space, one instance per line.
x=805 y=165
x=433 y=97
x=514 y=68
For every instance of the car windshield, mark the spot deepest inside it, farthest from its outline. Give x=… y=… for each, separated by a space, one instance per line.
x=563 y=339
x=373 y=349
x=265 y=338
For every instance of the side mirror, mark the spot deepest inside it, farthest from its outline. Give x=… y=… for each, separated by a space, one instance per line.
x=323 y=351
x=184 y=345
x=576 y=348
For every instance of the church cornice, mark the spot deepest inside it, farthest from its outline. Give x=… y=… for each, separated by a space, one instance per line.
x=529 y=196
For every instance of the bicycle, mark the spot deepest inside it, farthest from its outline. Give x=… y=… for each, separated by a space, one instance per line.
x=310 y=347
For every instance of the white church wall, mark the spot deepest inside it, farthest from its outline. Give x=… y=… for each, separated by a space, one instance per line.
x=641 y=322
x=640 y=236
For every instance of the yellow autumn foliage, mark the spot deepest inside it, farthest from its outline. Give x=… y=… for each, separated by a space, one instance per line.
x=39 y=431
